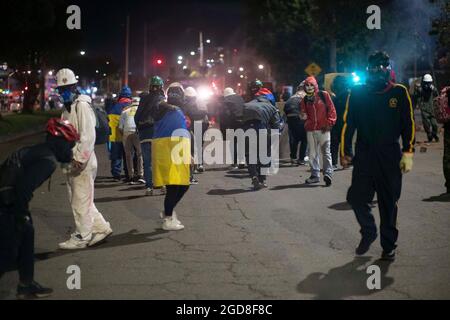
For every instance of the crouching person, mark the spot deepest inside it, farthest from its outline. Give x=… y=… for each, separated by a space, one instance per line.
x=22 y=173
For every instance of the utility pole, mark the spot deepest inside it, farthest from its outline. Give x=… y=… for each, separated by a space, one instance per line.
x=145 y=50
x=201 y=49
x=127 y=44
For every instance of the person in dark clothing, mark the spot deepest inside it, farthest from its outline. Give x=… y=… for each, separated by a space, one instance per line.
x=144 y=125
x=259 y=114
x=20 y=175
x=233 y=109
x=381 y=111
x=297 y=132
x=341 y=89
x=285 y=95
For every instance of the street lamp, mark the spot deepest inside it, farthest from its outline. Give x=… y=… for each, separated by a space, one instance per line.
x=180 y=57
x=192 y=53
x=208 y=41
x=261 y=67
x=82 y=52
x=241 y=69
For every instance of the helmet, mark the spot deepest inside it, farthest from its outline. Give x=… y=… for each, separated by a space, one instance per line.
x=125 y=92
x=228 y=92
x=427 y=78
x=190 y=92
x=256 y=83
x=156 y=81
x=65 y=77
x=62 y=128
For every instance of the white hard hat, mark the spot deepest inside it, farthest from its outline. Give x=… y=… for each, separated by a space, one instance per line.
x=190 y=92
x=228 y=92
x=427 y=78
x=65 y=77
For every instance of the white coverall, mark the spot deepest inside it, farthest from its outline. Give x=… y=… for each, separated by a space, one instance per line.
x=80 y=184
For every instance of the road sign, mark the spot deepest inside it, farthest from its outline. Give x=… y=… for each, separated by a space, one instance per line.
x=313 y=69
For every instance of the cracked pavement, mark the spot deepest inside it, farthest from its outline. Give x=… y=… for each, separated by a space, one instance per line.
x=289 y=241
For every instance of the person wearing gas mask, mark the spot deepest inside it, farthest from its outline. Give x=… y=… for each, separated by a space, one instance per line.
x=319 y=113
x=20 y=175
x=426 y=94
x=91 y=227
x=381 y=112
x=145 y=123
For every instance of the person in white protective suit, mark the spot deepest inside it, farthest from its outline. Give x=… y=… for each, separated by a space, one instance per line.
x=91 y=227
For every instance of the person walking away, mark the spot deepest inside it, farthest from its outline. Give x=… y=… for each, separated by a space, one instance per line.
x=341 y=89
x=171 y=155
x=296 y=126
x=233 y=106
x=427 y=93
x=91 y=227
x=20 y=175
x=381 y=112
x=319 y=113
x=115 y=138
x=144 y=123
x=131 y=143
x=259 y=114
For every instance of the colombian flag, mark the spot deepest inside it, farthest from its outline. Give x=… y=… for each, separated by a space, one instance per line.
x=171 y=150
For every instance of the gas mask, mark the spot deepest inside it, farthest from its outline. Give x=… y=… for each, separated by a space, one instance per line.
x=67 y=97
x=310 y=90
x=378 y=77
x=427 y=86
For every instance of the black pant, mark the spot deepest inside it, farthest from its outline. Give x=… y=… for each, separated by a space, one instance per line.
x=376 y=169
x=336 y=141
x=17 y=247
x=297 y=135
x=254 y=169
x=173 y=196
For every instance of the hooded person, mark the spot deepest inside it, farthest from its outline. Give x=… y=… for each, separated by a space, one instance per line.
x=233 y=110
x=117 y=154
x=196 y=116
x=144 y=123
x=257 y=89
x=427 y=93
x=259 y=114
x=319 y=114
x=20 y=175
x=90 y=226
x=381 y=112
x=297 y=133
x=171 y=156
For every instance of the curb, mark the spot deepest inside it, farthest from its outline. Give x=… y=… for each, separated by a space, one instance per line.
x=8 y=139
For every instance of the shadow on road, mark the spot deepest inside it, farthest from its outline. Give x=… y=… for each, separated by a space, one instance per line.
x=124 y=239
x=105 y=186
x=445 y=197
x=345 y=281
x=222 y=192
x=238 y=176
x=112 y=199
x=134 y=188
x=345 y=206
x=297 y=186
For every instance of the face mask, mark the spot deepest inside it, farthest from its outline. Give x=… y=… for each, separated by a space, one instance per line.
x=378 y=78
x=309 y=90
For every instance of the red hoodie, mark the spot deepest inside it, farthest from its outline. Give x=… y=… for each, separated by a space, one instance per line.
x=319 y=115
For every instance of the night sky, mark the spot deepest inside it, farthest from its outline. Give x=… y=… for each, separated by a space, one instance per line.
x=173 y=26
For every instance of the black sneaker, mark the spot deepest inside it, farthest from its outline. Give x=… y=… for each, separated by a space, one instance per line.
x=388 y=256
x=312 y=180
x=33 y=291
x=436 y=138
x=327 y=180
x=364 y=246
x=256 y=184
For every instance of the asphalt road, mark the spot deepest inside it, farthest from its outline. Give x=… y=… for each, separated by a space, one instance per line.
x=290 y=241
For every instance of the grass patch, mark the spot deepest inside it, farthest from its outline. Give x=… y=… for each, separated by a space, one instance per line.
x=21 y=123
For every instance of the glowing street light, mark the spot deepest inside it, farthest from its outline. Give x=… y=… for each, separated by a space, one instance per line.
x=180 y=62
x=50 y=73
x=96 y=71
x=230 y=71
x=208 y=41
x=184 y=67
x=261 y=67
x=180 y=57
x=192 y=53
x=82 y=52
x=241 y=69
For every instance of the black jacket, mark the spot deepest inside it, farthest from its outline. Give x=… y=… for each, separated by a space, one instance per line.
x=260 y=109
x=292 y=106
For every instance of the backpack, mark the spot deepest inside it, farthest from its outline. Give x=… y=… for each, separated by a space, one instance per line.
x=441 y=106
x=10 y=173
x=102 y=129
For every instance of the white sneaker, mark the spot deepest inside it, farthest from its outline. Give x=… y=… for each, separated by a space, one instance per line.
x=75 y=242
x=172 y=224
x=149 y=192
x=99 y=236
x=163 y=216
